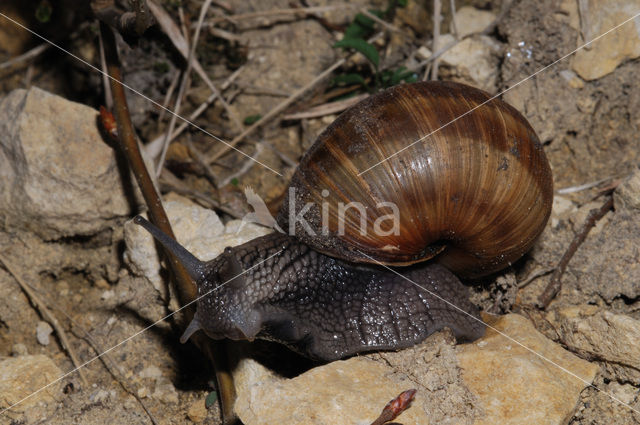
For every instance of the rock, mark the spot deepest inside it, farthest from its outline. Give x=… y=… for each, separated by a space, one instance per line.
x=99 y=396
x=352 y=391
x=574 y=81
x=601 y=334
x=627 y=195
x=165 y=392
x=606 y=265
x=493 y=380
x=143 y=392
x=43 y=330
x=19 y=350
x=606 y=53
x=152 y=372
x=197 y=412
x=561 y=207
x=470 y=20
x=198 y=229
x=58 y=177
x=23 y=376
x=518 y=385
x=472 y=61
x=423 y=53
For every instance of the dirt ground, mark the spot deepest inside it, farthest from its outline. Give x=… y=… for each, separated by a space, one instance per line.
x=589 y=129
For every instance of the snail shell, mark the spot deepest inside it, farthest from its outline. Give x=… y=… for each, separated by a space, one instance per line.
x=471 y=187
x=467 y=173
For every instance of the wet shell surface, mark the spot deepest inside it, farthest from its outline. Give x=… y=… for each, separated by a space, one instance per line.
x=455 y=176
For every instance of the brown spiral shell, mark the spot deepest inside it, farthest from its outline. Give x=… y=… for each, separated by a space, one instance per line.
x=476 y=192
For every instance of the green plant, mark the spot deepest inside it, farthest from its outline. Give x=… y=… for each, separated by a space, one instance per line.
x=355 y=37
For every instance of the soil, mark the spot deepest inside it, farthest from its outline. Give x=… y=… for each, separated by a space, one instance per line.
x=590 y=133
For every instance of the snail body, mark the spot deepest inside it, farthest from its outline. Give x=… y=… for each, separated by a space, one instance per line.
x=425 y=171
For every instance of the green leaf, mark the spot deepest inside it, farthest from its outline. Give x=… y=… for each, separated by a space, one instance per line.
x=399 y=75
x=212 y=397
x=44 y=11
x=364 y=20
x=234 y=181
x=360 y=45
x=412 y=78
x=402 y=3
x=355 y=30
x=252 y=119
x=348 y=79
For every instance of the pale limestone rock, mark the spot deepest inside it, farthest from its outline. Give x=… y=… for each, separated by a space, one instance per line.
x=472 y=61
x=616 y=47
x=43 y=330
x=151 y=372
x=165 y=391
x=561 y=208
x=470 y=20
x=606 y=265
x=197 y=229
x=593 y=332
x=423 y=53
x=492 y=381
x=352 y=391
x=516 y=386
x=57 y=176
x=572 y=79
x=197 y=412
x=627 y=195
x=24 y=375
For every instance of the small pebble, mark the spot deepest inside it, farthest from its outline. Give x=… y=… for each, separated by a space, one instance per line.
x=63 y=288
x=43 y=330
x=165 y=392
x=197 y=411
x=19 y=350
x=107 y=294
x=100 y=395
x=150 y=372
x=143 y=392
x=102 y=284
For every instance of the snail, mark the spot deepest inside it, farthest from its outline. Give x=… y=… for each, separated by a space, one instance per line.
x=402 y=195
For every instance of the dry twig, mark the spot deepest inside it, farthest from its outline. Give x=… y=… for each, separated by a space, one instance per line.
x=183 y=87
x=454 y=26
x=285 y=104
x=167 y=96
x=555 y=283
x=46 y=315
x=181 y=44
x=187 y=290
x=304 y=11
x=275 y=111
x=153 y=147
x=585 y=26
x=26 y=56
x=169 y=182
x=326 y=108
x=444 y=49
x=250 y=162
x=437 y=19
x=386 y=25
x=578 y=188
x=534 y=275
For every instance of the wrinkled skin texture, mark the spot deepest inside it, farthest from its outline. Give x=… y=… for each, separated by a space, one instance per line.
x=325 y=308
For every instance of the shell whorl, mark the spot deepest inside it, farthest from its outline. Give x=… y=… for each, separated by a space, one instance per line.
x=476 y=192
